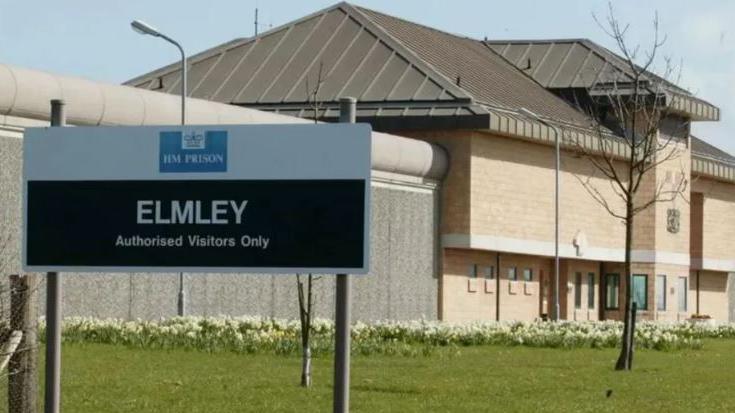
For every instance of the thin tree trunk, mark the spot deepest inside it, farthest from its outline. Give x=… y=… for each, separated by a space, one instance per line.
x=305 y=308
x=306 y=366
x=626 y=351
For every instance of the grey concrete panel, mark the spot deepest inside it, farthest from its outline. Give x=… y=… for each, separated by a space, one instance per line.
x=10 y=204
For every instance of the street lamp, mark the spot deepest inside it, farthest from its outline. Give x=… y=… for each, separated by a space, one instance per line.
x=556 y=313
x=144 y=29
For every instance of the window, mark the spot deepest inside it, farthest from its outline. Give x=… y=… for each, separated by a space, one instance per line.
x=640 y=291
x=490 y=273
x=661 y=292
x=578 y=290
x=472 y=273
x=527 y=274
x=683 y=290
x=591 y=290
x=512 y=274
x=612 y=290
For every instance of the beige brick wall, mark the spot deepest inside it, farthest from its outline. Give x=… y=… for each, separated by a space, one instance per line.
x=713 y=294
x=512 y=189
x=455 y=203
x=668 y=175
x=696 y=211
x=468 y=299
x=503 y=187
x=718 y=218
x=521 y=300
x=465 y=298
x=644 y=223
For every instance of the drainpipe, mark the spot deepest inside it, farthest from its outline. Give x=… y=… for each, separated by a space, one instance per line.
x=698 y=292
x=497 y=287
x=601 y=305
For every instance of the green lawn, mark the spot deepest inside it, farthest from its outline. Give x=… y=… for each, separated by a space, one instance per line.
x=104 y=378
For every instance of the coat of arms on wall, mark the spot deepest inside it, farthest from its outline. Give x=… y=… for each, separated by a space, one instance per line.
x=672 y=220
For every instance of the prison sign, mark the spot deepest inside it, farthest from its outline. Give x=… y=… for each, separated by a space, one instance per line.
x=253 y=198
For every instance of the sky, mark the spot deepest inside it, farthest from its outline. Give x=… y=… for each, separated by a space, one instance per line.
x=93 y=39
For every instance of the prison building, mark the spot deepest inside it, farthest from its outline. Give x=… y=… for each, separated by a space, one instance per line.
x=463 y=172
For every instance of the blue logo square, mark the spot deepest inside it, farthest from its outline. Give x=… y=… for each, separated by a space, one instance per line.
x=193 y=151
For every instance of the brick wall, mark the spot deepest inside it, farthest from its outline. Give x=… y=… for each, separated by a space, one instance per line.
x=718 y=218
x=469 y=298
x=512 y=190
x=713 y=294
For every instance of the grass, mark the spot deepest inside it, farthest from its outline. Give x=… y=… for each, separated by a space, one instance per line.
x=107 y=378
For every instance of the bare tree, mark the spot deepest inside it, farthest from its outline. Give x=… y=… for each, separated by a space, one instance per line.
x=635 y=132
x=305 y=292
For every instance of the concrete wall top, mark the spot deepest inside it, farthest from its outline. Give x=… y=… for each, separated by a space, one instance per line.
x=25 y=93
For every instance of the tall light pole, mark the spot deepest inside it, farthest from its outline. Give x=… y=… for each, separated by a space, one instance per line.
x=144 y=28
x=556 y=313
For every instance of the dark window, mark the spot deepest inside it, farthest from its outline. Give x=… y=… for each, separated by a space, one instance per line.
x=661 y=292
x=472 y=273
x=578 y=290
x=640 y=291
x=683 y=291
x=527 y=274
x=612 y=291
x=512 y=274
x=591 y=290
x=490 y=273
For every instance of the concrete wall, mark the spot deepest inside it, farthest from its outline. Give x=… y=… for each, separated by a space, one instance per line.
x=401 y=285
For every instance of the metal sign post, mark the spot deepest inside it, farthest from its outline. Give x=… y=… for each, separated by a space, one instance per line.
x=52 y=396
x=347 y=111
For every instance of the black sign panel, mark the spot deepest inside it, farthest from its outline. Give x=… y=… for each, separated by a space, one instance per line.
x=213 y=223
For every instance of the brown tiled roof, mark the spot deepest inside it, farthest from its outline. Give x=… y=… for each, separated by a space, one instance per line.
x=273 y=68
x=582 y=63
x=702 y=148
x=394 y=68
x=485 y=76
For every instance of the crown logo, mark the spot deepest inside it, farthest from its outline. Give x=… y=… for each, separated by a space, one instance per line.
x=193 y=140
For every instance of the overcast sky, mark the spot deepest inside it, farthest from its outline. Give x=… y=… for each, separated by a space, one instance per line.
x=93 y=39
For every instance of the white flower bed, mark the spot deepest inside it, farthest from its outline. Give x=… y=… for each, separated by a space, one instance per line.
x=255 y=334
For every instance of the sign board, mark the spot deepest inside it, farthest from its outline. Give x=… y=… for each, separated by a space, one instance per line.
x=245 y=198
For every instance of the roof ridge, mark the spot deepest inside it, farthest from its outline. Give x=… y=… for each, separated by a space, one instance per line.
x=422 y=65
x=434 y=29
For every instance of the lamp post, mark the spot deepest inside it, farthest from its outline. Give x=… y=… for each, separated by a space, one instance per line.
x=556 y=313
x=146 y=29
